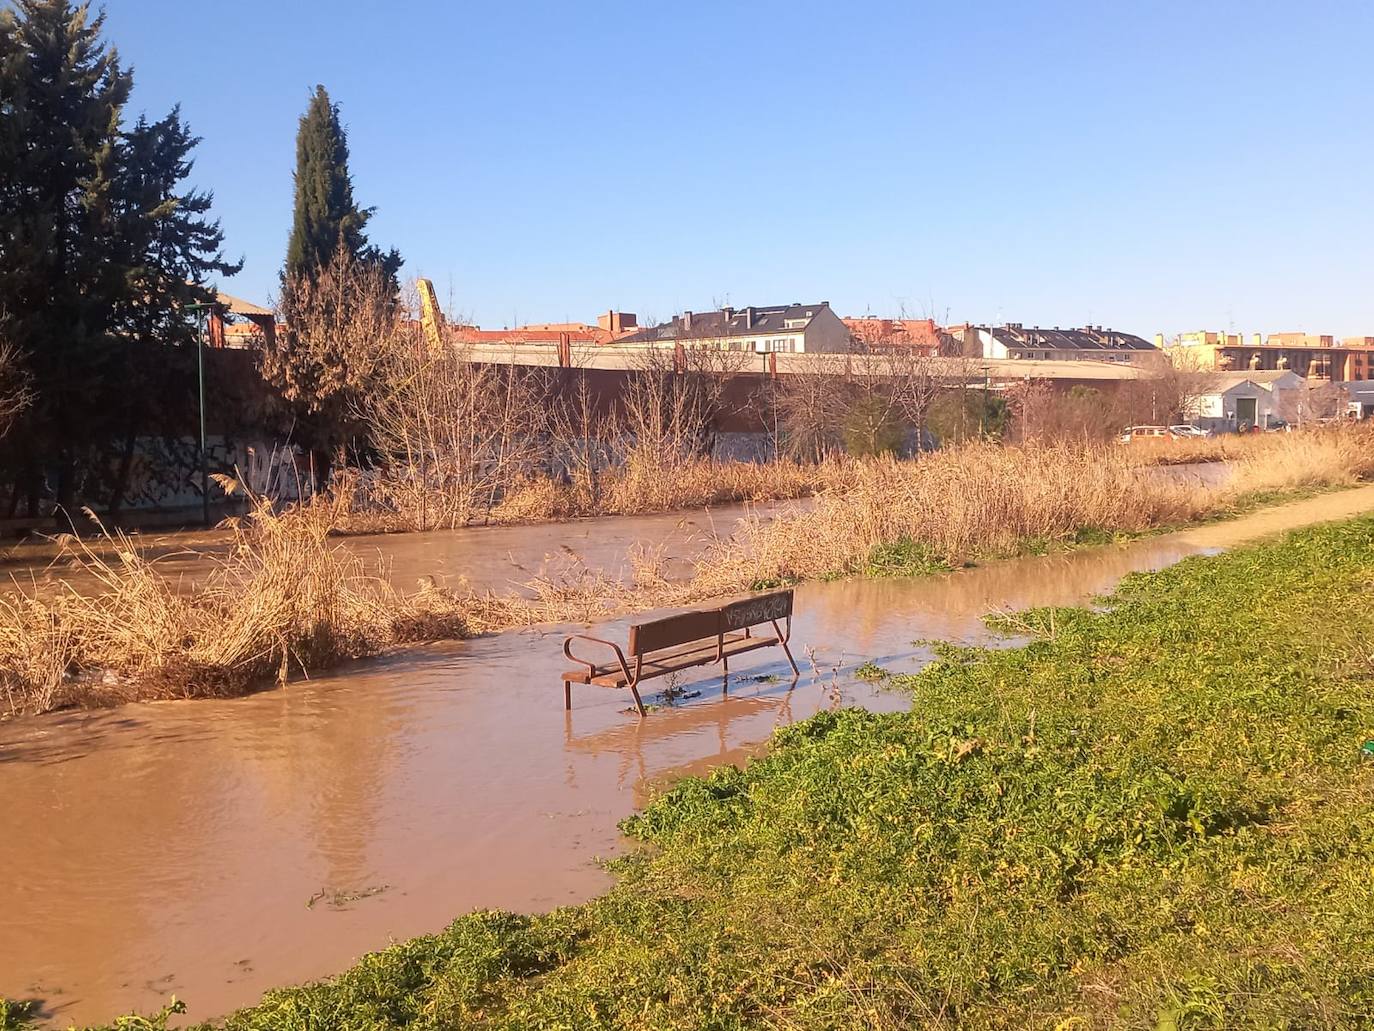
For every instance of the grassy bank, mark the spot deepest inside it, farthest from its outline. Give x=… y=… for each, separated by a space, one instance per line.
x=289 y=599
x=1158 y=816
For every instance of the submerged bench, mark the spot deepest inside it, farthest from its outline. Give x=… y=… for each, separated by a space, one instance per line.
x=699 y=638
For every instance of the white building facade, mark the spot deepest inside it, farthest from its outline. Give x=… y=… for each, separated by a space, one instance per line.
x=785 y=329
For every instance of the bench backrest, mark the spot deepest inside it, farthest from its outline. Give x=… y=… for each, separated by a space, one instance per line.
x=674 y=630
x=702 y=625
x=762 y=608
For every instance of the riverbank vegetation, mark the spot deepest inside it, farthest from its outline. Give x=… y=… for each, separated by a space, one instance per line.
x=285 y=599
x=1159 y=815
x=288 y=598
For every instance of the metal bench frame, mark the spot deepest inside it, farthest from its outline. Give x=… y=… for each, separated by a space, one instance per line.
x=669 y=647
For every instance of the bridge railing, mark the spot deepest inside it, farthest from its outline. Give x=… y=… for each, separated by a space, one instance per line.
x=627 y=357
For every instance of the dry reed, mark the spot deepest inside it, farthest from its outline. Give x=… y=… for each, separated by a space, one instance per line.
x=287 y=599
x=639 y=486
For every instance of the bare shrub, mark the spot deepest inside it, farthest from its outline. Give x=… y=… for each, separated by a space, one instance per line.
x=451 y=435
x=581 y=437
x=336 y=324
x=1167 y=394
x=868 y=402
x=674 y=400
x=15 y=385
x=1311 y=403
x=811 y=407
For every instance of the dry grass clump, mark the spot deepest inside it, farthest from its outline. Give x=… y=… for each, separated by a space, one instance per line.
x=986 y=501
x=286 y=599
x=640 y=487
x=1327 y=457
x=1225 y=447
x=636 y=487
x=980 y=501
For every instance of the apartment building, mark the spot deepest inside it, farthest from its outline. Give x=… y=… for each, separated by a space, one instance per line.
x=1311 y=356
x=792 y=328
x=1034 y=343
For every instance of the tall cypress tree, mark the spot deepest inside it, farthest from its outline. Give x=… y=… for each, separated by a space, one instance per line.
x=327 y=218
x=334 y=284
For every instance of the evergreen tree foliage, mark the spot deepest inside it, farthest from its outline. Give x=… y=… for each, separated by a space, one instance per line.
x=61 y=94
x=337 y=289
x=100 y=244
x=326 y=216
x=172 y=247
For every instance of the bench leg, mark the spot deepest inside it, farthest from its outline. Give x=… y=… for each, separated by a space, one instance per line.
x=788 y=652
x=639 y=703
x=567 y=695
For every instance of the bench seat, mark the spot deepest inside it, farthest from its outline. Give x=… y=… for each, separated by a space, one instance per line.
x=673 y=660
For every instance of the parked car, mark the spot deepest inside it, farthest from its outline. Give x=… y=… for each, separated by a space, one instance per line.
x=1188 y=431
x=1136 y=432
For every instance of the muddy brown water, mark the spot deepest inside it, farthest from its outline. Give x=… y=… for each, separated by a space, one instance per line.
x=501 y=558
x=213 y=850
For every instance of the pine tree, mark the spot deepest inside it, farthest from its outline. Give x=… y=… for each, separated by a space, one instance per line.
x=101 y=246
x=61 y=94
x=172 y=247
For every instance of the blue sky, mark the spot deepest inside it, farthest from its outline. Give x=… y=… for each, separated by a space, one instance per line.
x=1150 y=166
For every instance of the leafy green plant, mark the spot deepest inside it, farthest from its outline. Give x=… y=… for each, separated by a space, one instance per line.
x=871 y=671
x=904 y=557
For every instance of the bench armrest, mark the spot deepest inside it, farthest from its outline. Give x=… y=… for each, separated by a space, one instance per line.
x=591 y=666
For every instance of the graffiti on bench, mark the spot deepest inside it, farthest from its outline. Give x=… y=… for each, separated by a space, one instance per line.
x=754 y=611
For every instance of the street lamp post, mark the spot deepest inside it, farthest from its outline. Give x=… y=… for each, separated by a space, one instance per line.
x=200 y=309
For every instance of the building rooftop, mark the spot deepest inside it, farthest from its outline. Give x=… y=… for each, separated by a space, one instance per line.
x=1262 y=378
x=1089 y=338
x=730 y=322
x=875 y=331
x=238 y=306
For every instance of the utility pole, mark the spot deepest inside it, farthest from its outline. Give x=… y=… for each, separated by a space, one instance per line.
x=200 y=309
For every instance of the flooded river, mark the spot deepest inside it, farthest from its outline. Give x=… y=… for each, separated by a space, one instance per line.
x=501 y=558
x=212 y=850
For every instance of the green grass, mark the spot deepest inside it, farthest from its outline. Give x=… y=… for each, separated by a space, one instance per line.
x=904 y=557
x=871 y=671
x=1154 y=817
